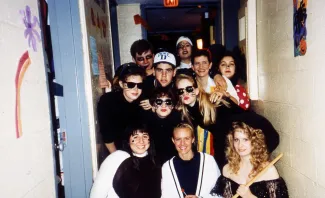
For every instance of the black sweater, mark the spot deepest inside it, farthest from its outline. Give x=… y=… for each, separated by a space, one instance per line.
x=115 y=113
x=161 y=130
x=141 y=182
x=188 y=172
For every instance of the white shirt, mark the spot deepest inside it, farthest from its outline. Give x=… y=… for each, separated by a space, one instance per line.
x=230 y=88
x=185 y=66
x=103 y=184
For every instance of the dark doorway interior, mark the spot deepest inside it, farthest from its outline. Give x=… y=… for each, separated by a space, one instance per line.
x=196 y=21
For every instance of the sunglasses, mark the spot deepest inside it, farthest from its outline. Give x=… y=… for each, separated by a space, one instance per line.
x=168 y=102
x=188 y=89
x=131 y=85
x=140 y=59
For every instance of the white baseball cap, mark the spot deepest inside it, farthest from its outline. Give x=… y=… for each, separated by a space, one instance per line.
x=165 y=57
x=183 y=38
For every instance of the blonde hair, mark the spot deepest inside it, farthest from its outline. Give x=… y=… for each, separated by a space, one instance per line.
x=207 y=109
x=184 y=125
x=259 y=153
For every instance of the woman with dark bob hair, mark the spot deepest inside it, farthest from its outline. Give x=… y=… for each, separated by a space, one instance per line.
x=247 y=155
x=132 y=173
x=117 y=109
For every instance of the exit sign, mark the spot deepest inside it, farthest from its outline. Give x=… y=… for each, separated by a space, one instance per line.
x=170 y=3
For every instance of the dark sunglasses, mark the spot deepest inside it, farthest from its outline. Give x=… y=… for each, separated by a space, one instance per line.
x=168 y=102
x=131 y=85
x=142 y=58
x=188 y=89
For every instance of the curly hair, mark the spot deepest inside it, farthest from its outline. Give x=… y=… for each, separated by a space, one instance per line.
x=207 y=109
x=259 y=153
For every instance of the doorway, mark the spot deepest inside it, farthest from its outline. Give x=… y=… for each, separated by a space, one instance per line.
x=195 y=21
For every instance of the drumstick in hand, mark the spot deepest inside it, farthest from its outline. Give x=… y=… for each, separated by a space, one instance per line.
x=261 y=173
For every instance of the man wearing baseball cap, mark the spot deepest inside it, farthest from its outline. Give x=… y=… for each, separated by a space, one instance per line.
x=164 y=68
x=164 y=71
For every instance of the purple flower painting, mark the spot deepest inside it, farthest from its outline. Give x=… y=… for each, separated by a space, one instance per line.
x=30 y=24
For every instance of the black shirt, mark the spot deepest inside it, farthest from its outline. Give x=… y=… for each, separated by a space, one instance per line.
x=149 y=86
x=227 y=188
x=142 y=182
x=115 y=113
x=161 y=130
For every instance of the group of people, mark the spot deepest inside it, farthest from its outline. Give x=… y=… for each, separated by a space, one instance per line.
x=183 y=130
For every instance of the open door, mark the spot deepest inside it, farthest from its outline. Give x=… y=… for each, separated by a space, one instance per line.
x=69 y=89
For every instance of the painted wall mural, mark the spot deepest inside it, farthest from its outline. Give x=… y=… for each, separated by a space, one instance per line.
x=31 y=22
x=299 y=27
x=23 y=64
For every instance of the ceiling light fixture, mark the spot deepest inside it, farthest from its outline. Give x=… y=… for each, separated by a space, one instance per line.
x=199 y=43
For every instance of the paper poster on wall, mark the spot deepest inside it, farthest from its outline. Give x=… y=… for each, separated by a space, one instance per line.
x=94 y=57
x=299 y=27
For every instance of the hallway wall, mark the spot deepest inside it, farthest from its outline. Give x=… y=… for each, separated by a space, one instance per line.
x=292 y=92
x=127 y=30
x=27 y=164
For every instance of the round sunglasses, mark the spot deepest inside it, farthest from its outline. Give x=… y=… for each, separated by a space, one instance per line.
x=188 y=89
x=168 y=102
x=131 y=85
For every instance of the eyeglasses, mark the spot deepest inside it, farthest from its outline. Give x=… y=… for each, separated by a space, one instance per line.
x=131 y=85
x=188 y=89
x=148 y=57
x=168 y=102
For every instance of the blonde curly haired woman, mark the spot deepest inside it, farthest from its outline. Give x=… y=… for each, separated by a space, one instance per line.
x=247 y=155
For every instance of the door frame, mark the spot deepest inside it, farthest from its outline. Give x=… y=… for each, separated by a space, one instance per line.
x=68 y=57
